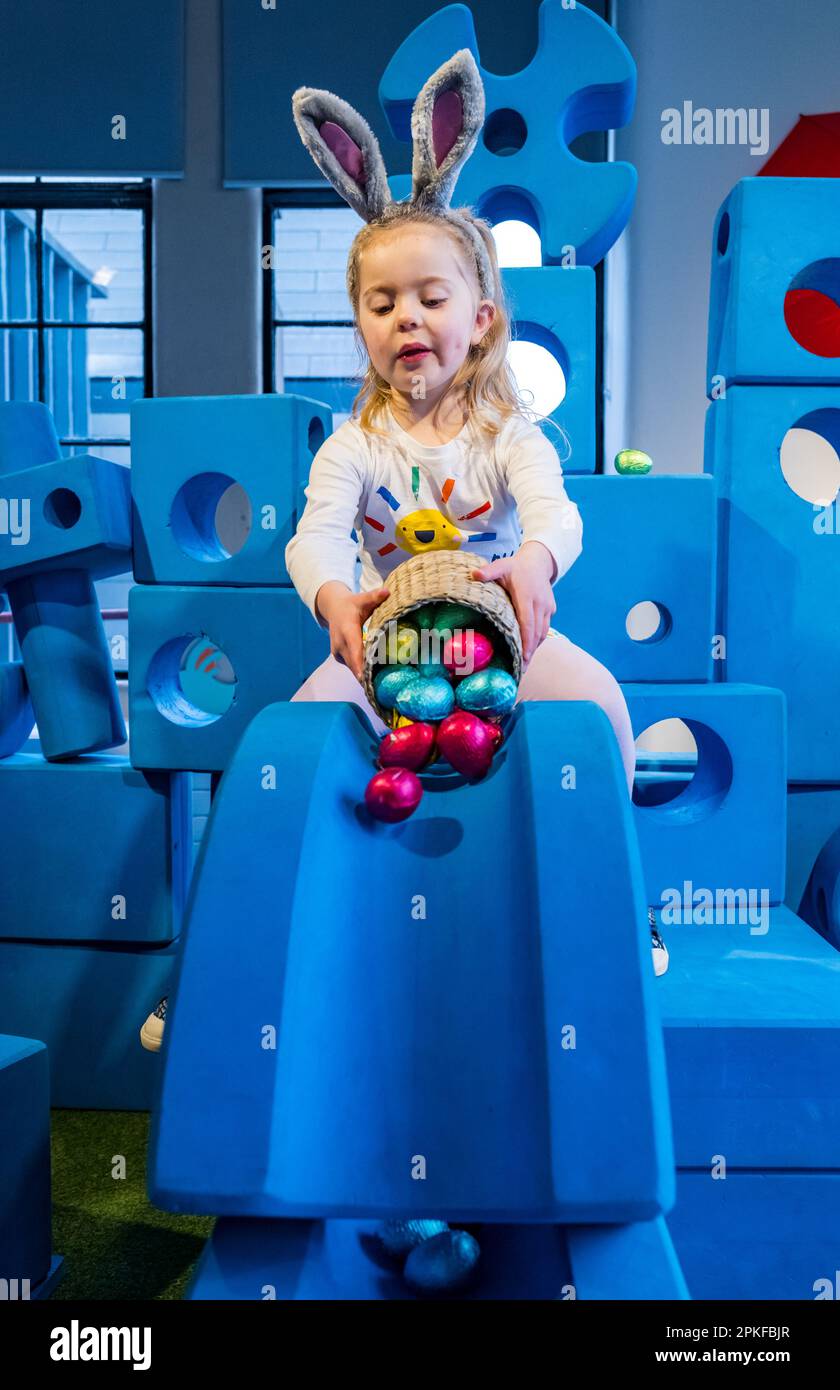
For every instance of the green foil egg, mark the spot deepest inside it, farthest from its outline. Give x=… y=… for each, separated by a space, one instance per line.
x=633 y=461
x=390 y=680
x=426 y=700
x=492 y=691
x=432 y=669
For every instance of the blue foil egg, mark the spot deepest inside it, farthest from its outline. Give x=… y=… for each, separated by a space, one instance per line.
x=491 y=691
x=388 y=683
x=426 y=700
x=399 y=1238
x=428 y=669
x=443 y=1264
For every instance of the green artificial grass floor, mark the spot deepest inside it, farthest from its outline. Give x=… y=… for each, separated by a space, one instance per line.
x=114 y=1242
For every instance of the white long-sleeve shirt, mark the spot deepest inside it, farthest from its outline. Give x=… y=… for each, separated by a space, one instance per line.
x=387 y=499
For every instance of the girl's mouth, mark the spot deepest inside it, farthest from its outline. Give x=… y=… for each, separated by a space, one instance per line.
x=414 y=355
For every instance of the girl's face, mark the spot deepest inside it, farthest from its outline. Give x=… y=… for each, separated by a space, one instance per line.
x=414 y=289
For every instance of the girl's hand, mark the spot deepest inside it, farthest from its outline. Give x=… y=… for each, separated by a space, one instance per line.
x=527 y=578
x=346 y=613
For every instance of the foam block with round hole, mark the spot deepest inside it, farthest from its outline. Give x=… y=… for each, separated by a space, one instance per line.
x=771 y=238
x=217 y=485
x=25 y=1214
x=642 y=536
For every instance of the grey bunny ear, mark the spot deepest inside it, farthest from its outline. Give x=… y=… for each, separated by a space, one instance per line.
x=345 y=149
x=445 y=121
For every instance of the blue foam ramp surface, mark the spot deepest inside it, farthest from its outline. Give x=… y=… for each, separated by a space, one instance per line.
x=479 y=1080
x=771 y=236
x=777 y=563
x=186 y=455
x=92 y=849
x=726 y=827
x=87 y=1004
x=751 y=1013
x=25 y=1239
x=581 y=78
x=626 y=562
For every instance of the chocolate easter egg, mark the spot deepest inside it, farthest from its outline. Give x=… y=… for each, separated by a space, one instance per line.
x=487 y=692
x=393 y=794
x=410 y=746
x=427 y=700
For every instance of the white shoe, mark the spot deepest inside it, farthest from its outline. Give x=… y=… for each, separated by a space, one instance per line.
x=658 y=949
x=151 y=1034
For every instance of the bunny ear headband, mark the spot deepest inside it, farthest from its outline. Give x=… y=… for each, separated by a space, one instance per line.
x=445 y=121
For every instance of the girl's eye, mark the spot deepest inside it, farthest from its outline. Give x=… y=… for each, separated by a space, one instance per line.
x=430 y=303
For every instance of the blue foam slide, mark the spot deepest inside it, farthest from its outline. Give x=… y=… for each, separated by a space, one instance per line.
x=87 y=1005
x=625 y=563
x=115 y=881
x=581 y=78
x=16 y=713
x=510 y=1085
x=217 y=485
x=553 y=307
x=771 y=237
x=71 y=525
x=25 y=1213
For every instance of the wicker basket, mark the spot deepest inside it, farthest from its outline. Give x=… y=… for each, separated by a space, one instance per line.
x=436 y=577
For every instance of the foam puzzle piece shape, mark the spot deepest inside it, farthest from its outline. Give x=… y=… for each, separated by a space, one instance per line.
x=16 y=714
x=813 y=814
x=751 y=1016
x=67 y=523
x=772 y=239
x=235 y=651
x=554 y=308
x=821 y=899
x=478 y=1064
x=115 y=883
x=186 y=454
x=641 y=537
x=25 y=1210
x=333 y=1260
x=777 y=565
x=726 y=829
x=765 y=1235
x=581 y=78
x=87 y=1005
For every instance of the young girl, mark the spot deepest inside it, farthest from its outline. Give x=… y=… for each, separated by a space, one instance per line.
x=439 y=452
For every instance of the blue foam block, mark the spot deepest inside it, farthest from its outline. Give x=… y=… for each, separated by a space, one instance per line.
x=87 y=1004
x=726 y=828
x=758 y=1236
x=771 y=235
x=332 y=1260
x=821 y=900
x=777 y=563
x=186 y=452
x=752 y=1036
x=79 y=518
x=813 y=814
x=92 y=850
x=554 y=308
x=25 y=1214
x=581 y=78
x=513 y=1115
x=16 y=713
x=267 y=636
x=624 y=562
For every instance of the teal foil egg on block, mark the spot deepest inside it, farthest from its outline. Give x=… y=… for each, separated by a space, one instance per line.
x=391 y=680
x=491 y=691
x=426 y=700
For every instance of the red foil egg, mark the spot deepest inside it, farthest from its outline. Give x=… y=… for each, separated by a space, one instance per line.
x=393 y=794
x=412 y=747
x=467 y=651
x=467 y=742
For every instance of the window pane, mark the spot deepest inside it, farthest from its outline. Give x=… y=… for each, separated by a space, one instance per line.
x=310 y=262
x=91 y=376
x=18 y=265
x=18 y=364
x=93 y=264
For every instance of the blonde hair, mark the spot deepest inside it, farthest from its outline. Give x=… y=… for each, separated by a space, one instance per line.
x=484 y=380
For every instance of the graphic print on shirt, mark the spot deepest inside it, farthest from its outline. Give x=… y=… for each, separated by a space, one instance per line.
x=426 y=528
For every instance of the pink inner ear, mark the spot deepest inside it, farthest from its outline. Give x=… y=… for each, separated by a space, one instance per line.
x=346 y=151
x=447 y=123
